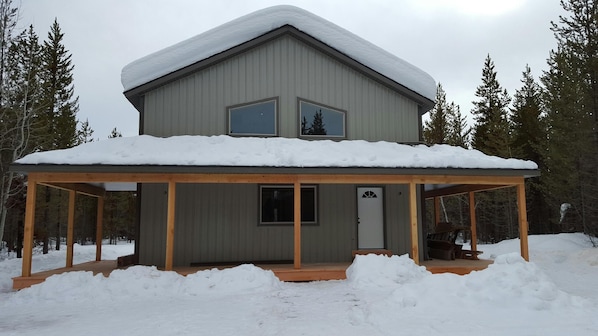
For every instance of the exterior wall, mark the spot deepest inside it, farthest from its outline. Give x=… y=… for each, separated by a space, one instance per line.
x=219 y=223
x=285 y=68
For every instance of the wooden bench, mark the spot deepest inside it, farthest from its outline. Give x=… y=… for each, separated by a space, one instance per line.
x=442 y=243
x=387 y=253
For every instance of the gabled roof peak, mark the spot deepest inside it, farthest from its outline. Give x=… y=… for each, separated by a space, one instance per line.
x=250 y=26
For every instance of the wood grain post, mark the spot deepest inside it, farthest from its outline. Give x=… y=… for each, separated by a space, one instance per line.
x=170 y=226
x=29 y=227
x=473 y=222
x=523 y=226
x=70 y=236
x=297 y=225
x=436 y=210
x=413 y=222
x=99 y=228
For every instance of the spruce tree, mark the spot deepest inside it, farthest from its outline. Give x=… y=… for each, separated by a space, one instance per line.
x=527 y=142
x=61 y=103
x=459 y=132
x=491 y=130
x=436 y=130
x=491 y=136
x=571 y=83
x=317 y=126
x=84 y=133
x=58 y=121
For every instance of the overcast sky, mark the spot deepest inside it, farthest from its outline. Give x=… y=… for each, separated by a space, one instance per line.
x=449 y=39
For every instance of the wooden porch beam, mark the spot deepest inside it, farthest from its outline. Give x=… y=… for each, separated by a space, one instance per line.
x=523 y=225
x=70 y=229
x=170 y=226
x=413 y=223
x=274 y=178
x=81 y=188
x=297 y=225
x=29 y=227
x=99 y=228
x=462 y=189
x=473 y=222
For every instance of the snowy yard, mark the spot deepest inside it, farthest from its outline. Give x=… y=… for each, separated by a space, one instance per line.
x=555 y=294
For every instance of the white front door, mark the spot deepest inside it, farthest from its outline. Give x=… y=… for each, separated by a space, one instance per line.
x=370 y=218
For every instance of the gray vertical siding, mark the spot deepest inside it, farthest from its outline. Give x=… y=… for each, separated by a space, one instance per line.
x=219 y=222
x=288 y=69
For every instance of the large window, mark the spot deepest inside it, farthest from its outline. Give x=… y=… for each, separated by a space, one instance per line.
x=277 y=204
x=257 y=118
x=321 y=121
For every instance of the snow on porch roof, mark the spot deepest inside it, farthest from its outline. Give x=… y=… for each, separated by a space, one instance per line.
x=255 y=24
x=227 y=151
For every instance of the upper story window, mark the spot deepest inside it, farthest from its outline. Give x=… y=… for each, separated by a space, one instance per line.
x=317 y=120
x=256 y=118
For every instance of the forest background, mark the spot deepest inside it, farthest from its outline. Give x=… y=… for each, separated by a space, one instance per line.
x=552 y=121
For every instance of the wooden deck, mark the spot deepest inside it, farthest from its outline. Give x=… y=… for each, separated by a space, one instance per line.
x=457 y=266
x=285 y=272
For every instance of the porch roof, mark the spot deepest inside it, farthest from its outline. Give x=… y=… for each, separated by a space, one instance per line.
x=225 y=154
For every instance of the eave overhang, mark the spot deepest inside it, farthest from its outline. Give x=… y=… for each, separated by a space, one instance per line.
x=135 y=95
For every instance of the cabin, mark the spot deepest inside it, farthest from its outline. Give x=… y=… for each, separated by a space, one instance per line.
x=276 y=138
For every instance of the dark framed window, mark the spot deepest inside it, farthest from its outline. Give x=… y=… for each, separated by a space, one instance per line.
x=277 y=204
x=256 y=118
x=318 y=120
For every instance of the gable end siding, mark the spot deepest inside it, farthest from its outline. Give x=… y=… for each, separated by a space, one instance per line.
x=288 y=69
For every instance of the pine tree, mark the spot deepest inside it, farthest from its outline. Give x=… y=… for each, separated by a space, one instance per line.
x=114 y=134
x=491 y=135
x=459 y=132
x=436 y=130
x=491 y=131
x=61 y=103
x=317 y=126
x=527 y=142
x=59 y=123
x=19 y=103
x=571 y=156
x=446 y=124
x=85 y=133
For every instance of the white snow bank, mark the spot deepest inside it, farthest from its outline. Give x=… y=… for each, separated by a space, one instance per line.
x=510 y=282
x=383 y=296
x=144 y=282
x=11 y=267
x=224 y=150
x=380 y=271
x=260 y=22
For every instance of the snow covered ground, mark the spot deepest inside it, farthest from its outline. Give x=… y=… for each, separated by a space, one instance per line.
x=555 y=294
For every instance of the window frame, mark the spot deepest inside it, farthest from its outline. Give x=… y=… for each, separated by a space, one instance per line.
x=288 y=187
x=229 y=119
x=323 y=106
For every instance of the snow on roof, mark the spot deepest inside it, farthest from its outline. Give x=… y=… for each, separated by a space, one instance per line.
x=263 y=21
x=224 y=150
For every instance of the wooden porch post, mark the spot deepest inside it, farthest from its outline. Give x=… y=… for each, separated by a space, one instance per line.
x=170 y=226
x=523 y=226
x=29 y=226
x=413 y=222
x=99 y=228
x=70 y=229
x=297 y=225
x=473 y=222
x=436 y=210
